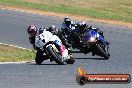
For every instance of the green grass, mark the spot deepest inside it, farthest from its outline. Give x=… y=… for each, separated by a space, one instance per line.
x=105 y=9
x=12 y=54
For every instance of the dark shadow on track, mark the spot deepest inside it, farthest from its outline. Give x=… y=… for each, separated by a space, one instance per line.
x=75 y=52
x=91 y=58
x=43 y=64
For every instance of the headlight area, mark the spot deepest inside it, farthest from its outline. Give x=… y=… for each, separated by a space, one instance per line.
x=92 y=39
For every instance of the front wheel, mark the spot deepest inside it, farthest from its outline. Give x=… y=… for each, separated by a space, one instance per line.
x=71 y=60
x=55 y=55
x=103 y=53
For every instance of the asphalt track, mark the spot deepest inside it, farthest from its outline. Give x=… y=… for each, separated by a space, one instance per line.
x=50 y=75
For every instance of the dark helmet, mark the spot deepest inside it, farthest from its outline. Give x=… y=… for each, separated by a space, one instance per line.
x=81 y=25
x=32 y=30
x=53 y=29
x=67 y=20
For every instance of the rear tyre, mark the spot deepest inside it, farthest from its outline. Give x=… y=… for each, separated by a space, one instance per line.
x=55 y=55
x=38 y=58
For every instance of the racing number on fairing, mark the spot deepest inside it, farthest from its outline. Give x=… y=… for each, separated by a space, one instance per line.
x=39 y=37
x=57 y=42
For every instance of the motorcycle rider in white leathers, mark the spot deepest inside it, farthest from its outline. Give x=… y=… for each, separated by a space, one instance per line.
x=42 y=38
x=47 y=36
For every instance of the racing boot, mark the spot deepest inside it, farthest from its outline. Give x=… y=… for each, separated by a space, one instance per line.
x=93 y=54
x=68 y=45
x=107 y=42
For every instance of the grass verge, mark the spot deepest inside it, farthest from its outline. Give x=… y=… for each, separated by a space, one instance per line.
x=120 y=11
x=13 y=54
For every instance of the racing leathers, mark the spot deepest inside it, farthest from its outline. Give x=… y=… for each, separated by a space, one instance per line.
x=98 y=31
x=66 y=28
x=63 y=39
x=32 y=38
x=91 y=28
x=32 y=41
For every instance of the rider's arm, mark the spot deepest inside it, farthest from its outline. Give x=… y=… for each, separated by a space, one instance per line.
x=32 y=40
x=63 y=27
x=38 y=41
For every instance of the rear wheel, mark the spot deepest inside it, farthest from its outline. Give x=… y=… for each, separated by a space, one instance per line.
x=55 y=55
x=39 y=58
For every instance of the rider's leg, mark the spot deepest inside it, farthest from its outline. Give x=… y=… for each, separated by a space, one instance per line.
x=63 y=50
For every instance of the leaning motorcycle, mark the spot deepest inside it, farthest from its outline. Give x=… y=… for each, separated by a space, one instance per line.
x=50 y=49
x=90 y=41
x=95 y=43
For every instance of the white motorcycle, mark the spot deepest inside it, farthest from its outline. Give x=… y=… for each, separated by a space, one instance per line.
x=49 y=45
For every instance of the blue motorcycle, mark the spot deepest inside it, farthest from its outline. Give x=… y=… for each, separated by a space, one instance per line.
x=95 y=43
x=88 y=41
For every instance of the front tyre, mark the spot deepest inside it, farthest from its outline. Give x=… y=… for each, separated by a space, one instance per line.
x=55 y=55
x=103 y=53
x=71 y=60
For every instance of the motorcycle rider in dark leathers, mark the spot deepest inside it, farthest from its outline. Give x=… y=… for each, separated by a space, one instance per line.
x=82 y=26
x=67 y=25
x=69 y=28
x=66 y=28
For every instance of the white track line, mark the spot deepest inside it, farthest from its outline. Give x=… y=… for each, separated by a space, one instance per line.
x=23 y=62
x=22 y=11
x=16 y=62
x=15 y=46
x=20 y=62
